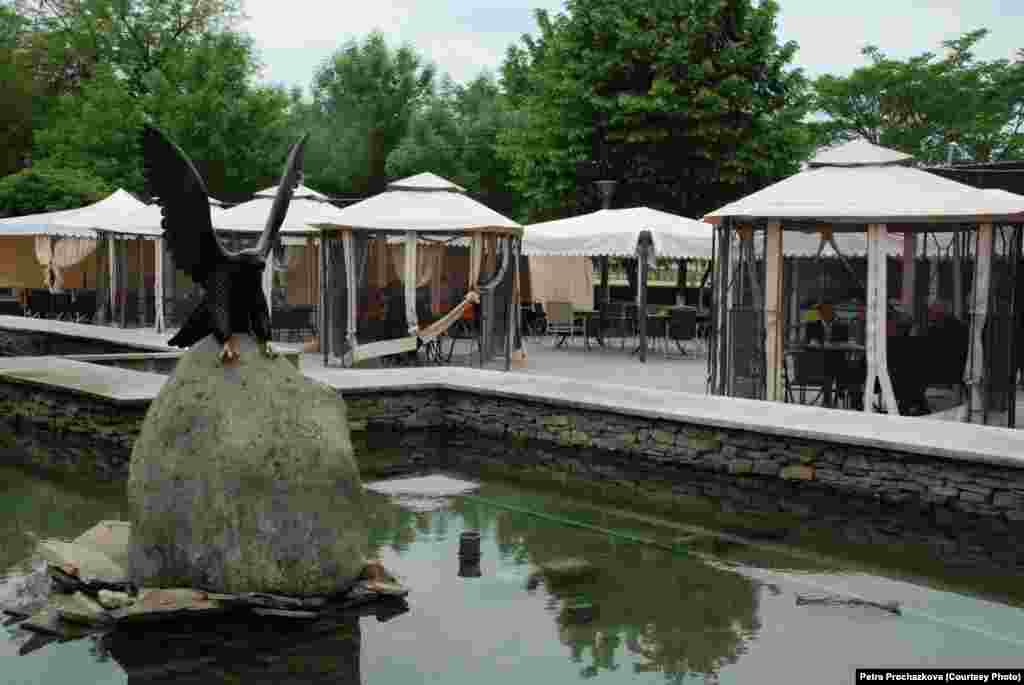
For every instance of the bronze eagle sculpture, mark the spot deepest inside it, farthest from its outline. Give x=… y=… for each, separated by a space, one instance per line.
x=233 y=300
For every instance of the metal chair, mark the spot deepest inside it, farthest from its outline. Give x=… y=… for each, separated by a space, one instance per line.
x=562 y=321
x=806 y=370
x=619 y=322
x=682 y=327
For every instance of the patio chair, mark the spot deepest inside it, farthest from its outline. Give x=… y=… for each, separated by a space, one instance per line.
x=562 y=321
x=39 y=304
x=619 y=322
x=682 y=327
x=11 y=308
x=466 y=328
x=806 y=371
x=83 y=306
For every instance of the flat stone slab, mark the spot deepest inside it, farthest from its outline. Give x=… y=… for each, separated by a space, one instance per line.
x=142 y=339
x=423 y=486
x=105 y=382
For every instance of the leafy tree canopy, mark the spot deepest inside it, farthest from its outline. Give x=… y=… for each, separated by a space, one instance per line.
x=925 y=104
x=688 y=104
x=455 y=136
x=364 y=97
x=48 y=189
x=203 y=97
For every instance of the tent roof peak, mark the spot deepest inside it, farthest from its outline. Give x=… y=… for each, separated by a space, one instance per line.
x=425 y=182
x=859 y=152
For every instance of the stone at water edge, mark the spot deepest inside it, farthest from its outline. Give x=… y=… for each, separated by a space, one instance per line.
x=243 y=479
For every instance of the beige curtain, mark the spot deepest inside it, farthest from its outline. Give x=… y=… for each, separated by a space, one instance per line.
x=562 y=279
x=475 y=262
x=57 y=254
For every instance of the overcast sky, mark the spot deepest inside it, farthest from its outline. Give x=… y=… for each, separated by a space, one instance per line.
x=465 y=37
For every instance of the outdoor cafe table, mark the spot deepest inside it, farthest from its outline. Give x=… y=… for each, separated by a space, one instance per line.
x=850 y=352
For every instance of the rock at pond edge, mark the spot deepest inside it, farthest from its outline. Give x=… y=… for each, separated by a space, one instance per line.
x=243 y=479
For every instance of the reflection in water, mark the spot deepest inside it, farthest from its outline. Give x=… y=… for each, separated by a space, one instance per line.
x=678 y=615
x=667 y=614
x=638 y=613
x=31 y=505
x=274 y=651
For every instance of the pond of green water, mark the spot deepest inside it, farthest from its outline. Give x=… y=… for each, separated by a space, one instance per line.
x=724 y=613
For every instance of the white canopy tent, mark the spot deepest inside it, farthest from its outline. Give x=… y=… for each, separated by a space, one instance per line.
x=608 y=233
x=428 y=213
x=614 y=233
x=250 y=217
x=858 y=188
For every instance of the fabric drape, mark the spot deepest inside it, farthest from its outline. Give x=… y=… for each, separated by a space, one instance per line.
x=562 y=279
x=56 y=255
x=472 y=296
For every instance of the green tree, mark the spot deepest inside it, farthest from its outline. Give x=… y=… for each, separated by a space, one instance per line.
x=925 y=104
x=203 y=97
x=455 y=135
x=133 y=37
x=688 y=104
x=364 y=97
x=43 y=188
x=16 y=94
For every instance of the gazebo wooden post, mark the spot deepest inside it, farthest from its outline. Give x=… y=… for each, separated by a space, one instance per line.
x=140 y=296
x=794 y=298
x=773 y=310
x=722 y=301
x=513 y=307
x=641 y=310
x=112 y=273
x=974 y=374
x=605 y=294
x=875 y=338
x=158 y=284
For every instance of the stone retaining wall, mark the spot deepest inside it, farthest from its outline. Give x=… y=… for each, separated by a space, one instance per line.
x=971 y=510
x=22 y=343
x=67 y=432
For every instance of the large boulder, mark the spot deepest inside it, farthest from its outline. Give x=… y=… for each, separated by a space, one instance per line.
x=243 y=480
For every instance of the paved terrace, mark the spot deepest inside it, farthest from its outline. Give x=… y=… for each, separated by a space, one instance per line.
x=914 y=435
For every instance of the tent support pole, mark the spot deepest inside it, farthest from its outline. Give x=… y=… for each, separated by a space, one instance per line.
x=975 y=373
x=158 y=284
x=141 y=293
x=641 y=310
x=877 y=362
x=773 y=306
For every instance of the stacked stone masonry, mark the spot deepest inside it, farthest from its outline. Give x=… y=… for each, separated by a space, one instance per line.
x=969 y=509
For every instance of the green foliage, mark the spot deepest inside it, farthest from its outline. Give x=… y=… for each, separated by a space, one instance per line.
x=455 y=136
x=688 y=104
x=16 y=94
x=924 y=104
x=48 y=189
x=203 y=98
x=364 y=97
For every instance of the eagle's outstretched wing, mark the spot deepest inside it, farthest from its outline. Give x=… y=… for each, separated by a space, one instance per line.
x=285 y=190
x=179 y=190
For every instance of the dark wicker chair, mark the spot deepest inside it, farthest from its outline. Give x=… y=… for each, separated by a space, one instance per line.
x=682 y=327
x=807 y=371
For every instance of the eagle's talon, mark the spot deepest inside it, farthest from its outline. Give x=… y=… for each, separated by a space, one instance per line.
x=229 y=352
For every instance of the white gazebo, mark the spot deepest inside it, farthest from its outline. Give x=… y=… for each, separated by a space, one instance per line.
x=619 y=233
x=855 y=188
x=379 y=252
x=247 y=220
